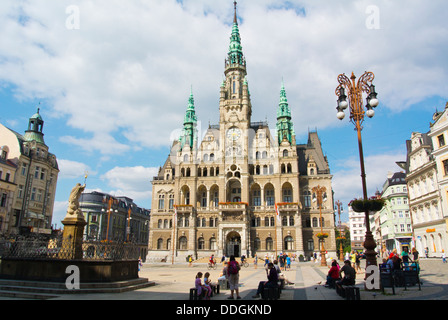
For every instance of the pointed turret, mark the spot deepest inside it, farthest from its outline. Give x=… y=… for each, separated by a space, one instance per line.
x=189 y=132
x=235 y=57
x=285 y=127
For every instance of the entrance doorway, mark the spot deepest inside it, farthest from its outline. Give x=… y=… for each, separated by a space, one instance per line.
x=233 y=244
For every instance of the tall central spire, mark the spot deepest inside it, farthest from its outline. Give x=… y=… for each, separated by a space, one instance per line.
x=235 y=55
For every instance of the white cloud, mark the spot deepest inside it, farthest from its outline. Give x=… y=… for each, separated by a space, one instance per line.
x=347 y=182
x=72 y=169
x=133 y=182
x=124 y=76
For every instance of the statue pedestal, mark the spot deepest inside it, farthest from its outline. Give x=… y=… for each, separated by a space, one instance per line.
x=72 y=237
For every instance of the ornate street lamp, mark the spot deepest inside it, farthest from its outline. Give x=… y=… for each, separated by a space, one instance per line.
x=357 y=113
x=320 y=196
x=341 y=236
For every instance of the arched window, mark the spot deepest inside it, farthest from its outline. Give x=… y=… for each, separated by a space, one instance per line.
x=310 y=245
x=257 y=244
x=269 y=243
x=213 y=244
x=182 y=243
x=160 y=244
x=289 y=243
x=285 y=153
x=201 y=244
x=266 y=221
x=315 y=223
x=159 y=224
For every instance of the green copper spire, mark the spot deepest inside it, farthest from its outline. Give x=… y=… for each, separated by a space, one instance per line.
x=235 y=54
x=285 y=127
x=189 y=132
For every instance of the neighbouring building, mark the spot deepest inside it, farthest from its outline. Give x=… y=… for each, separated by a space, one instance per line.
x=357 y=226
x=426 y=182
x=36 y=172
x=116 y=219
x=243 y=189
x=394 y=218
x=436 y=240
x=7 y=188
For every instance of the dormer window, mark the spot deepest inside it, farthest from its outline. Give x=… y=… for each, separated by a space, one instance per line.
x=441 y=140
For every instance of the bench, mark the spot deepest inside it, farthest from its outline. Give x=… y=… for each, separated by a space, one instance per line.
x=272 y=293
x=348 y=292
x=194 y=294
x=411 y=278
x=387 y=281
x=215 y=288
x=224 y=284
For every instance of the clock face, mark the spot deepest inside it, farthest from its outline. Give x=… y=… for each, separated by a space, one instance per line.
x=233 y=133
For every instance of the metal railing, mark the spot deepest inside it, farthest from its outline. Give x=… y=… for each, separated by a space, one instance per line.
x=57 y=248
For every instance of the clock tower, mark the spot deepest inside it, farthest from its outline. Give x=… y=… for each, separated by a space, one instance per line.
x=234 y=106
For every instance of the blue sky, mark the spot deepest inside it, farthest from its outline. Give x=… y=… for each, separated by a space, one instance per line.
x=113 y=79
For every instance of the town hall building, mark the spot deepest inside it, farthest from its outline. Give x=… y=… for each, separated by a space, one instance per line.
x=242 y=189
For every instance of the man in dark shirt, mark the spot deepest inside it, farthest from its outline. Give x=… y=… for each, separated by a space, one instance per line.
x=272 y=282
x=349 y=274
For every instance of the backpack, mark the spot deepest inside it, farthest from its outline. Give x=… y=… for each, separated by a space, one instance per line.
x=233 y=267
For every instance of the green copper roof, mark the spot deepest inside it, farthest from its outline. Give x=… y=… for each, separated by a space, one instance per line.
x=189 y=132
x=34 y=132
x=235 y=54
x=190 y=115
x=283 y=107
x=285 y=127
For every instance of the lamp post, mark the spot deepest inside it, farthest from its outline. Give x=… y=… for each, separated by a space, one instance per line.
x=341 y=253
x=320 y=197
x=357 y=113
x=109 y=211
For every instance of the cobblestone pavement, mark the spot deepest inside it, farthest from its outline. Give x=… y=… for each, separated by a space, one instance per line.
x=173 y=281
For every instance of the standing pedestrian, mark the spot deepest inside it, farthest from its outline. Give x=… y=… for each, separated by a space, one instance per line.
x=288 y=262
x=443 y=256
x=415 y=255
x=233 y=275
x=353 y=259
x=255 y=261
x=358 y=261
x=405 y=256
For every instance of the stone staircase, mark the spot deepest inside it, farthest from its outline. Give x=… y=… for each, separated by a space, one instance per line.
x=40 y=290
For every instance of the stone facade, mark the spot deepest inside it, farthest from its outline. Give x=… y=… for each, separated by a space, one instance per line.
x=35 y=179
x=241 y=190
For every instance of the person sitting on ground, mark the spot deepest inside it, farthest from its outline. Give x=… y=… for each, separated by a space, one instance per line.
x=349 y=275
x=333 y=275
x=271 y=273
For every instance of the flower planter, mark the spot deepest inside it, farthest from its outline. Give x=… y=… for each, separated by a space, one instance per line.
x=367 y=205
